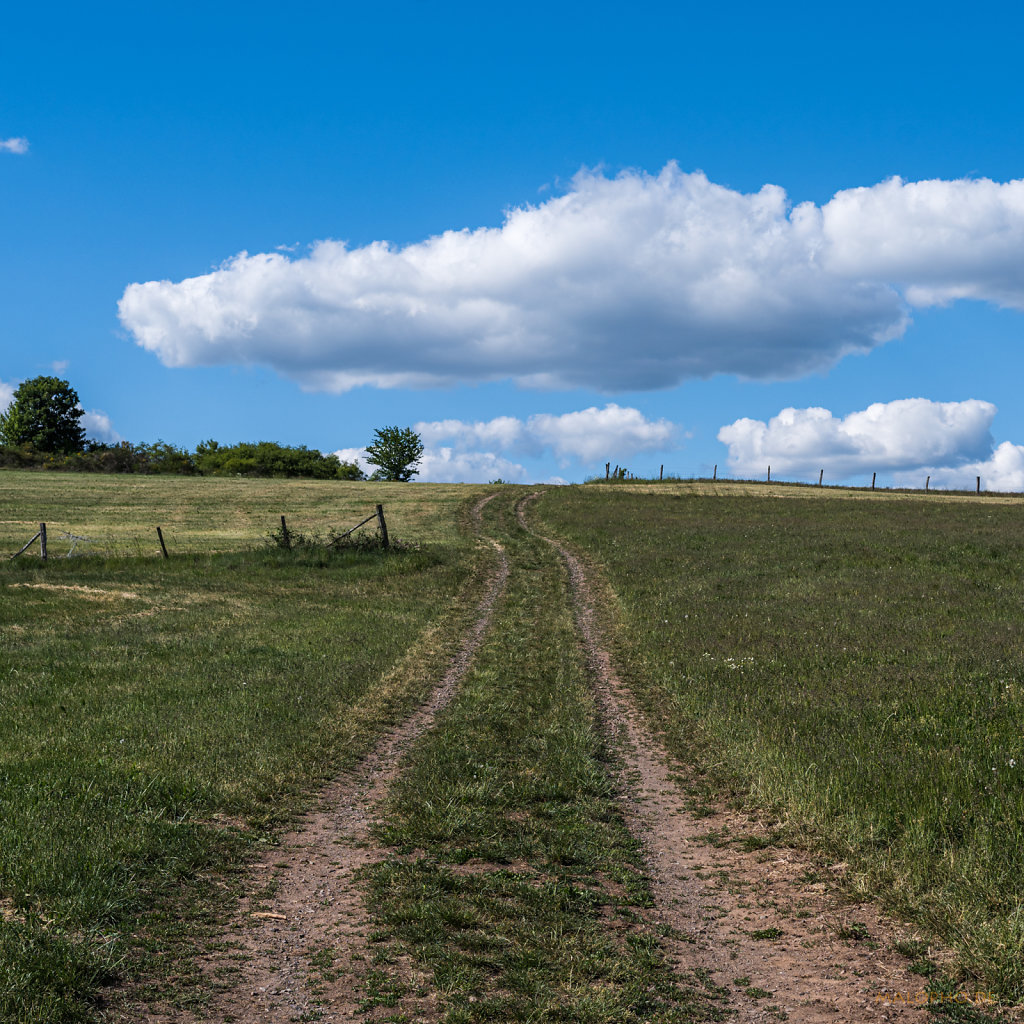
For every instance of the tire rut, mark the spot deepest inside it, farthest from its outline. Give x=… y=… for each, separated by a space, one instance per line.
x=300 y=947
x=717 y=899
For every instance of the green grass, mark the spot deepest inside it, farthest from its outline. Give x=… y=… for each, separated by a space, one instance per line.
x=160 y=719
x=851 y=662
x=854 y=665
x=518 y=887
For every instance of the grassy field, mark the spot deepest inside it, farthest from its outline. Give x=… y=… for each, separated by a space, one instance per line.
x=158 y=719
x=119 y=514
x=855 y=666
x=851 y=663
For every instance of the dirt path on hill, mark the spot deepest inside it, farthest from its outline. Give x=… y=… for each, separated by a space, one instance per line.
x=299 y=943
x=747 y=918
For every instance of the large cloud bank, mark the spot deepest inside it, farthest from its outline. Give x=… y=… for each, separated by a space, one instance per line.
x=457 y=451
x=905 y=440
x=634 y=282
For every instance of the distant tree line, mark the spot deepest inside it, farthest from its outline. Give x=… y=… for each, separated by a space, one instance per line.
x=262 y=458
x=41 y=428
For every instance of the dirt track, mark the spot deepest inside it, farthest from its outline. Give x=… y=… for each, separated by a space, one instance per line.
x=714 y=897
x=312 y=902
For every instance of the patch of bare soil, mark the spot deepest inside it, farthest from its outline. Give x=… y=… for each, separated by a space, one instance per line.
x=299 y=948
x=750 y=918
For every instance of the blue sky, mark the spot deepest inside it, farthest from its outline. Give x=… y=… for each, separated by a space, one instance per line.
x=619 y=286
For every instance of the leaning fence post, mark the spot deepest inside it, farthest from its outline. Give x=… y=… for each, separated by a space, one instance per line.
x=383 y=526
x=821 y=476
x=927 y=481
x=25 y=547
x=163 y=546
x=873 y=475
x=714 y=476
x=284 y=534
x=42 y=540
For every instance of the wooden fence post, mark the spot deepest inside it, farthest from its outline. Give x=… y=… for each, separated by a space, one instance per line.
x=284 y=534
x=873 y=475
x=714 y=476
x=927 y=481
x=163 y=546
x=821 y=476
x=977 y=488
x=383 y=526
x=42 y=540
x=769 y=474
x=607 y=470
x=661 y=473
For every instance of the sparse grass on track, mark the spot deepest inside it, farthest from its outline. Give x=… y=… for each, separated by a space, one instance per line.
x=518 y=887
x=159 y=719
x=855 y=665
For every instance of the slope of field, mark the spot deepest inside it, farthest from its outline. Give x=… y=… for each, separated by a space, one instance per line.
x=855 y=667
x=118 y=515
x=158 y=719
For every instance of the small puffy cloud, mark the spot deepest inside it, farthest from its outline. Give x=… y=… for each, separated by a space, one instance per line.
x=447 y=465
x=479 y=451
x=885 y=437
x=16 y=145
x=6 y=395
x=589 y=435
x=503 y=432
x=357 y=456
x=1002 y=471
x=98 y=426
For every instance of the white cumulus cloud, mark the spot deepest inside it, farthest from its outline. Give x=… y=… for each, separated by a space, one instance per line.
x=1003 y=470
x=6 y=395
x=937 y=240
x=446 y=465
x=634 y=282
x=503 y=433
x=589 y=435
x=16 y=145
x=459 y=451
x=99 y=428
x=886 y=437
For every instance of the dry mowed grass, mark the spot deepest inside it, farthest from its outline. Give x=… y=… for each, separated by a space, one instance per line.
x=119 y=514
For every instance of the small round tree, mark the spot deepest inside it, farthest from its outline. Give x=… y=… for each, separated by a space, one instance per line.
x=395 y=451
x=45 y=414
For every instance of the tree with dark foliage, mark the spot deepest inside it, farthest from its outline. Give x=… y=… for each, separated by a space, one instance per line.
x=45 y=415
